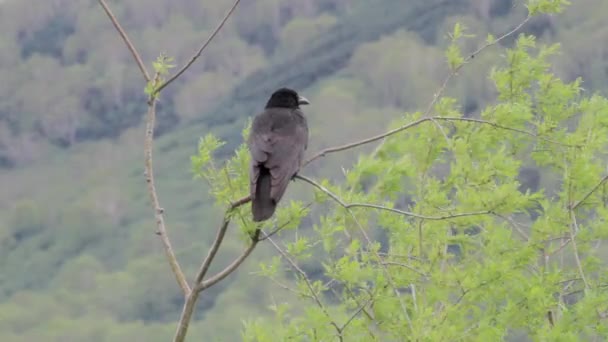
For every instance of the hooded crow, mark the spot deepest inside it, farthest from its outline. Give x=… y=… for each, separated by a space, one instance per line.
x=278 y=139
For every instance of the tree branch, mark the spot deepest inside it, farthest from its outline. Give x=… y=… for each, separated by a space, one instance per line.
x=597 y=186
x=307 y=281
x=200 y=284
x=126 y=39
x=200 y=50
x=357 y=312
x=506 y=128
x=573 y=231
x=158 y=210
x=229 y=269
x=221 y=232
x=329 y=150
x=348 y=146
x=422 y=217
x=380 y=207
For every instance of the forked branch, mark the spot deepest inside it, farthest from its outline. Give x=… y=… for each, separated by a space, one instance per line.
x=190 y=295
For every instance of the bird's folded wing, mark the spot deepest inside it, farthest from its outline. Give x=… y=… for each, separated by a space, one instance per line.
x=281 y=154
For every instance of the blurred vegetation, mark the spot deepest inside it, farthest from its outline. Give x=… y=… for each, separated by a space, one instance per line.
x=78 y=257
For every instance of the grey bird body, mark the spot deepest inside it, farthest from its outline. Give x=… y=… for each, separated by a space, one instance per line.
x=278 y=139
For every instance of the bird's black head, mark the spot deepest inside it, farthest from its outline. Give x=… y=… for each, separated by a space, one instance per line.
x=286 y=98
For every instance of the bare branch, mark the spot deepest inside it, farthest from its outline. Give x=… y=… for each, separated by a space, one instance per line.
x=348 y=146
x=158 y=210
x=221 y=232
x=200 y=50
x=190 y=302
x=422 y=217
x=240 y=202
x=200 y=284
x=326 y=151
x=126 y=39
x=380 y=207
x=186 y=316
x=506 y=128
x=229 y=269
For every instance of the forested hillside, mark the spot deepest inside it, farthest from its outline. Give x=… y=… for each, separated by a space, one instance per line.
x=79 y=260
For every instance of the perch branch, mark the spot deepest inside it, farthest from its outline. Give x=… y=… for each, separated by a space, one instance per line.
x=348 y=146
x=200 y=284
x=380 y=207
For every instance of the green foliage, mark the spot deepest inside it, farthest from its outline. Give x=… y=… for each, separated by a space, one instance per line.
x=161 y=67
x=546 y=6
x=512 y=273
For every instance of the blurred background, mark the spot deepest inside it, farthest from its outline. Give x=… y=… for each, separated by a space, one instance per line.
x=79 y=260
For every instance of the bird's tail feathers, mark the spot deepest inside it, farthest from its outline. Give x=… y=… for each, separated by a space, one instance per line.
x=263 y=206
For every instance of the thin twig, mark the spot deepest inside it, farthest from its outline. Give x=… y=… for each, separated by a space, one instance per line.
x=380 y=207
x=285 y=287
x=352 y=295
x=455 y=71
x=515 y=225
x=279 y=228
x=356 y=313
x=394 y=263
x=158 y=210
x=200 y=50
x=469 y=58
x=326 y=151
x=304 y=276
x=506 y=128
x=422 y=217
x=597 y=186
x=573 y=231
x=387 y=274
x=394 y=131
x=126 y=39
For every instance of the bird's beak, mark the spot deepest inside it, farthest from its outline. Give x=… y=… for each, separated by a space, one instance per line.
x=302 y=100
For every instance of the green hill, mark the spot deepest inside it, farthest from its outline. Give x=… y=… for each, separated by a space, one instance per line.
x=78 y=256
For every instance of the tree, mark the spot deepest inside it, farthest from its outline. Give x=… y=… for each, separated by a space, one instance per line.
x=468 y=253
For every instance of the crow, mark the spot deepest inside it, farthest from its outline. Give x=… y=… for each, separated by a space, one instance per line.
x=278 y=139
